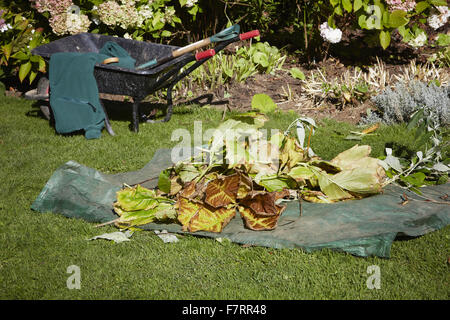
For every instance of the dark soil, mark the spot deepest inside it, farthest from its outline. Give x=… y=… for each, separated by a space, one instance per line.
x=278 y=86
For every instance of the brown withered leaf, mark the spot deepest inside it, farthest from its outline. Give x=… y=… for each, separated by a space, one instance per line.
x=195 y=216
x=261 y=203
x=315 y=196
x=194 y=190
x=186 y=209
x=175 y=186
x=222 y=191
x=245 y=186
x=258 y=222
x=188 y=190
x=371 y=129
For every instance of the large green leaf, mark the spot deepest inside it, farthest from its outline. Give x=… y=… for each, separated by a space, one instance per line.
x=138 y=198
x=24 y=69
x=7 y=49
x=333 y=191
x=19 y=55
x=439 y=3
x=276 y=183
x=422 y=6
x=164 y=181
x=357 y=5
x=385 y=39
x=347 y=4
x=398 y=18
x=254 y=118
x=301 y=173
x=350 y=158
x=32 y=76
x=139 y=205
x=297 y=74
x=164 y=212
x=261 y=58
x=362 y=180
x=263 y=103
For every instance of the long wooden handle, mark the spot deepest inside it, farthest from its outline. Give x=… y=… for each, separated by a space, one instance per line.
x=110 y=60
x=191 y=47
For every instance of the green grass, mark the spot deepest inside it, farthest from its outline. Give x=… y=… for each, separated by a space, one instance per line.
x=36 y=249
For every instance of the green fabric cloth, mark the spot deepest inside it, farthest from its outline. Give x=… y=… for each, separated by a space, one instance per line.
x=74 y=96
x=364 y=227
x=112 y=49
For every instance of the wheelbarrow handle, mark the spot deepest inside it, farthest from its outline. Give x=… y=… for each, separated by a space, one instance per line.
x=194 y=46
x=191 y=47
x=205 y=54
x=249 y=35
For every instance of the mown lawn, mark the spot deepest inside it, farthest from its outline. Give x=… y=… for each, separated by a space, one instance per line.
x=36 y=249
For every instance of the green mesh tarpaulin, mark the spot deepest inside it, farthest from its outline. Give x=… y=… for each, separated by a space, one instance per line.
x=361 y=227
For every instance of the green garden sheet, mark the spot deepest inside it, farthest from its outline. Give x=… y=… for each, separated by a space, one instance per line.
x=364 y=227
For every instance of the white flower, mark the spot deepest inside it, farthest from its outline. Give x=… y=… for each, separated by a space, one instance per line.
x=438 y=20
x=330 y=34
x=73 y=21
x=127 y=36
x=419 y=41
x=434 y=21
x=5 y=27
x=445 y=12
x=190 y=3
x=145 y=12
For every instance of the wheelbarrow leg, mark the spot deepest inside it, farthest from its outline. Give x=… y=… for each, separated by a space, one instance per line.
x=135 y=114
x=169 y=109
x=107 y=123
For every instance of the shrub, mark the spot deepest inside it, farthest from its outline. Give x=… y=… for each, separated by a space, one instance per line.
x=379 y=19
x=398 y=105
x=19 y=37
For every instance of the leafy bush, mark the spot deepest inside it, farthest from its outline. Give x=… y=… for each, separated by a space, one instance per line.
x=26 y=24
x=259 y=57
x=381 y=18
x=305 y=24
x=19 y=37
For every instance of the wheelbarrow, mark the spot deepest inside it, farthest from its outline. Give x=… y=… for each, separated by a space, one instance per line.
x=135 y=83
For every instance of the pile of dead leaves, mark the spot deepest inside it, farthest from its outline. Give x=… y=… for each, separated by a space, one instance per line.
x=243 y=173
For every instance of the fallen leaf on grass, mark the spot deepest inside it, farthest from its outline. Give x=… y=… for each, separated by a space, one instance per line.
x=166 y=237
x=117 y=236
x=355 y=135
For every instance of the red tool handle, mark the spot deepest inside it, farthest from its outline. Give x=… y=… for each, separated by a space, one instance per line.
x=248 y=35
x=205 y=54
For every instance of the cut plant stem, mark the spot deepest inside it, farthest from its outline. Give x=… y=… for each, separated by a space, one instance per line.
x=300 y=202
x=309 y=140
x=107 y=223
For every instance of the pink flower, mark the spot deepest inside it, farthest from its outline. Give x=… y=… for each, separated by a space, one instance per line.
x=53 y=6
x=405 y=5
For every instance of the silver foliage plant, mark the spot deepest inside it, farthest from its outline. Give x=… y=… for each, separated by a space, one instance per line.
x=399 y=104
